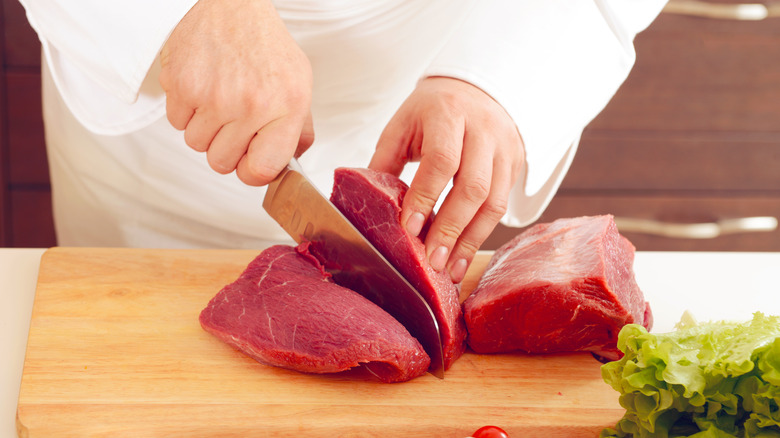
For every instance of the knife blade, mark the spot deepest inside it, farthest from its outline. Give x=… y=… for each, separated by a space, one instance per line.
x=307 y=215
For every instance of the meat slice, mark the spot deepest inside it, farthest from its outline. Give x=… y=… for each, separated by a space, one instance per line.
x=558 y=287
x=285 y=311
x=371 y=200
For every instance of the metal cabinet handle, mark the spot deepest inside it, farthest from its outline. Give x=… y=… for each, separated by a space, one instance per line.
x=723 y=11
x=706 y=230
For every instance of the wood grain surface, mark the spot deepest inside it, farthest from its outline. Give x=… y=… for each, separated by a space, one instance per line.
x=115 y=349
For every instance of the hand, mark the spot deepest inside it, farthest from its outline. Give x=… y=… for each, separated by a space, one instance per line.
x=457 y=132
x=239 y=86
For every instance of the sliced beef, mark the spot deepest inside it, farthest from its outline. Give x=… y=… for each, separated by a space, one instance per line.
x=557 y=287
x=371 y=200
x=285 y=311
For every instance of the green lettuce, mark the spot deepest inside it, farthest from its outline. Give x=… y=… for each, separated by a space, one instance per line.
x=713 y=380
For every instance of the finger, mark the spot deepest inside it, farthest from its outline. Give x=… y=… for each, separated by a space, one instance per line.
x=269 y=151
x=393 y=147
x=469 y=191
x=440 y=157
x=178 y=113
x=484 y=222
x=201 y=130
x=307 y=136
x=228 y=146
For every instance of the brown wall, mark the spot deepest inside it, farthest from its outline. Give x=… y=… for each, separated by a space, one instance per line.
x=25 y=194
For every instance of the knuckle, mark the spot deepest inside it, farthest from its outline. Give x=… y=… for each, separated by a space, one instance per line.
x=449 y=232
x=467 y=247
x=255 y=104
x=177 y=122
x=220 y=108
x=194 y=141
x=422 y=198
x=182 y=84
x=444 y=161
x=476 y=190
x=495 y=209
x=260 y=172
x=298 y=97
x=450 y=101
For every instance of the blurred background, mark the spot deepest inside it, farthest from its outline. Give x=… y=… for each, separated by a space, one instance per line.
x=686 y=155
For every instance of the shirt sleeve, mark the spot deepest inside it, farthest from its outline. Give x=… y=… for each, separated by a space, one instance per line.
x=109 y=46
x=553 y=65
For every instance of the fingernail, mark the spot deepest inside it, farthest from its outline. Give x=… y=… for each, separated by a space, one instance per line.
x=439 y=258
x=415 y=223
x=458 y=270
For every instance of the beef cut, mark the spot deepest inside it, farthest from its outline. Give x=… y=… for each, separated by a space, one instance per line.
x=371 y=200
x=285 y=311
x=558 y=287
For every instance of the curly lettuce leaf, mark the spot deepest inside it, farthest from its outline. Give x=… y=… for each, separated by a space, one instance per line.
x=713 y=380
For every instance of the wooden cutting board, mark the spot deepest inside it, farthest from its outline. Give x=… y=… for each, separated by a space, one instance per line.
x=115 y=349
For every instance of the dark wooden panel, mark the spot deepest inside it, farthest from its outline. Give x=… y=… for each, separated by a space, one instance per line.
x=21 y=42
x=697 y=74
x=682 y=209
x=692 y=136
x=27 y=146
x=5 y=203
x=657 y=161
x=32 y=222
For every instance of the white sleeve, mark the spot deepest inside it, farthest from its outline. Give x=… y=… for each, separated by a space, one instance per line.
x=553 y=65
x=100 y=53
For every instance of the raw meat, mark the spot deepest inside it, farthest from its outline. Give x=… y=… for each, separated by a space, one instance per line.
x=285 y=311
x=558 y=287
x=371 y=200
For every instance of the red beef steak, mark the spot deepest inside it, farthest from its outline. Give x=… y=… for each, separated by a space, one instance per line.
x=371 y=200
x=285 y=311
x=557 y=287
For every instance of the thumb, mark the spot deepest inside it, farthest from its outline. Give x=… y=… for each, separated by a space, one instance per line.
x=392 y=148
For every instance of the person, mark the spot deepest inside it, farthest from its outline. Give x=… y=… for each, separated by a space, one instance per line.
x=165 y=120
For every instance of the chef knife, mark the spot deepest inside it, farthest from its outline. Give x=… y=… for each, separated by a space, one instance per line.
x=306 y=215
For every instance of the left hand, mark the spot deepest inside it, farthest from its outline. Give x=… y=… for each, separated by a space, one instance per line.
x=457 y=132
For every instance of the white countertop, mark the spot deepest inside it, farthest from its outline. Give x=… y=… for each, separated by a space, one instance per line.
x=712 y=286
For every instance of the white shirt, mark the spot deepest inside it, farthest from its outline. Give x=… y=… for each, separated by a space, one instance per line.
x=121 y=176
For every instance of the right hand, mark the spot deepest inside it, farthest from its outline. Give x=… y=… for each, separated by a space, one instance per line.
x=239 y=87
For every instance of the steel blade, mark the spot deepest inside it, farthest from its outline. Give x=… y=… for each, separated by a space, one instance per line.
x=307 y=215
